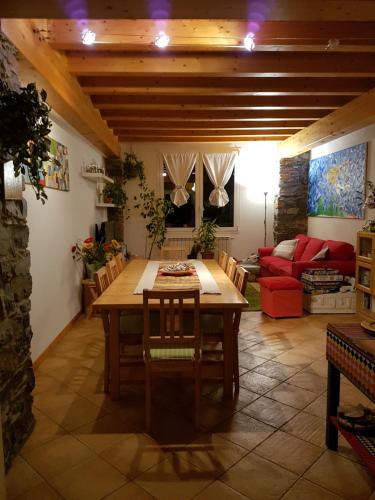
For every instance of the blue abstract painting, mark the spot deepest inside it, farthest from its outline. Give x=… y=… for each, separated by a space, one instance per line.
x=337 y=184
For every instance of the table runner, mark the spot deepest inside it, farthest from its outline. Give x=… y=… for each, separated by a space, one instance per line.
x=153 y=280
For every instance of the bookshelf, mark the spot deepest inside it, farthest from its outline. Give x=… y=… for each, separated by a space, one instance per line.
x=365 y=275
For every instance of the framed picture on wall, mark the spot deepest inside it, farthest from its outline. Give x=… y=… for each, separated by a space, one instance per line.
x=337 y=184
x=56 y=168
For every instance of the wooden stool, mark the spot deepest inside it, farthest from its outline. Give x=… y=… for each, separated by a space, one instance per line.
x=281 y=296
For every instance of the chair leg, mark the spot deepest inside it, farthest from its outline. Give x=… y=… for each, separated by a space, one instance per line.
x=106 y=364
x=236 y=369
x=198 y=391
x=148 y=397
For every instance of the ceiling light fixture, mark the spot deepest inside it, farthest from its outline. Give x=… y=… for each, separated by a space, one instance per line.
x=332 y=44
x=88 y=37
x=162 y=40
x=249 y=42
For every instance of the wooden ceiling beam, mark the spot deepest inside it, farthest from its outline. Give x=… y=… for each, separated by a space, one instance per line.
x=256 y=64
x=214 y=132
x=356 y=114
x=202 y=125
x=113 y=85
x=214 y=114
x=151 y=138
x=302 y=10
x=64 y=93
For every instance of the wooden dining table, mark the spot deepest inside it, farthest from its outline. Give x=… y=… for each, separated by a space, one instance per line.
x=119 y=296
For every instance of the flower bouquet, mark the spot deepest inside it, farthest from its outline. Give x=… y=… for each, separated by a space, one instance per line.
x=91 y=253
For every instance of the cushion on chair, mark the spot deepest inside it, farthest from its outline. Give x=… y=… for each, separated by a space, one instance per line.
x=172 y=353
x=285 y=249
x=280 y=283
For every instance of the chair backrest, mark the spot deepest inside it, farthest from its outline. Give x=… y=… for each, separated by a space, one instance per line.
x=101 y=280
x=231 y=268
x=120 y=261
x=173 y=253
x=240 y=280
x=112 y=270
x=223 y=260
x=178 y=326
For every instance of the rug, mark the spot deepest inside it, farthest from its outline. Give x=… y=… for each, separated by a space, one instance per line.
x=253 y=297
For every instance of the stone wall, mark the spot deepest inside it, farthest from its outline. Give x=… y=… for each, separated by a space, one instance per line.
x=16 y=372
x=290 y=217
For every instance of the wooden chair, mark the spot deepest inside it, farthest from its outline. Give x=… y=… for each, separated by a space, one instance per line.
x=231 y=268
x=171 y=348
x=120 y=261
x=173 y=253
x=240 y=281
x=112 y=270
x=223 y=260
x=131 y=330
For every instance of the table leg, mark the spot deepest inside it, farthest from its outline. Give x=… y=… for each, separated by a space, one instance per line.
x=114 y=353
x=333 y=399
x=228 y=353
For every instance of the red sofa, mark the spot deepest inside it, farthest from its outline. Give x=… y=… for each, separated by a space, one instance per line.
x=340 y=256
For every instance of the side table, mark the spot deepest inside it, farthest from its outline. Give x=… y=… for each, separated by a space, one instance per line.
x=253 y=269
x=350 y=351
x=88 y=296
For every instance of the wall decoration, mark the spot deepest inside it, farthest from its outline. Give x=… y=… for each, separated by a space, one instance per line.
x=337 y=184
x=56 y=168
x=12 y=184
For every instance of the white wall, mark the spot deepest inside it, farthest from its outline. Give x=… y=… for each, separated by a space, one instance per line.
x=256 y=171
x=336 y=228
x=54 y=227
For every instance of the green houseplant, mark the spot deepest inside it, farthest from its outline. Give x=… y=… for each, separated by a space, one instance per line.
x=207 y=238
x=114 y=193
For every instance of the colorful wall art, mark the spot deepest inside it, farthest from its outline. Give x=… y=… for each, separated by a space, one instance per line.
x=56 y=168
x=337 y=184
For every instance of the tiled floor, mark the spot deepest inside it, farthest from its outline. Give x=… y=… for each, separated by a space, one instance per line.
x=268 y=444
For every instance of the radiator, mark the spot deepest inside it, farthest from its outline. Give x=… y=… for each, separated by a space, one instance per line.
x=222 y=243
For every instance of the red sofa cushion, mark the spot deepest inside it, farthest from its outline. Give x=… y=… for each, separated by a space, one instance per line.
x=301 y=245
x=266 y=261
x=339 y=250
x=280 y=283
x=283 y=268
x=345 y=267
x=312 y=248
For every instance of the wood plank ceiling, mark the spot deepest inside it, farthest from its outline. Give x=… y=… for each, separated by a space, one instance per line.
x=205 y=86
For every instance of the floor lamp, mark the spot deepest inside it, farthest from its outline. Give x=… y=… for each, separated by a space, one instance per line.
x=265 y=218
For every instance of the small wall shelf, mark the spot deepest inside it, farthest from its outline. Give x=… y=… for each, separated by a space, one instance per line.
x=97 y=177
x=105 y=205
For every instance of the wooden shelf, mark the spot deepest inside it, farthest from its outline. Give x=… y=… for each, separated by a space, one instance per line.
x=97 y=177
x=360 y=444
x=105 y=205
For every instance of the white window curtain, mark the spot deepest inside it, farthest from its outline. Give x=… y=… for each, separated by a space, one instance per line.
x=179 y=167
x=219 y=167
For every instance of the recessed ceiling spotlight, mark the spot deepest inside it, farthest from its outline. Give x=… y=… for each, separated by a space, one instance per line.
x=162 y=40
x=88 y=37
x=249 y=42
x=332 y=44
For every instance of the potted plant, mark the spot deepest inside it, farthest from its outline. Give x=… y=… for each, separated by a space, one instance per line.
x=207 y=238
x=114 y=193
x=132 y=167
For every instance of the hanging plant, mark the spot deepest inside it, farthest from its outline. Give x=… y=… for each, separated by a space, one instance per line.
x=115 y=193
x=24 y=129
x=132 y=167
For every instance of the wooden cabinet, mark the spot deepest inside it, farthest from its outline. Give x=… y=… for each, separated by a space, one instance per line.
x=365 y=275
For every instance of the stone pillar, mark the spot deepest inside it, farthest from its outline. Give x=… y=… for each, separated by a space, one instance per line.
x=116 y=215
x=290 y=217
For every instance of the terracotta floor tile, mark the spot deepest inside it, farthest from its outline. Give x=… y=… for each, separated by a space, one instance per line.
x=309 y=381
x=318 y=407
x=212 y=454
x=244 y=431
x=292 y=395
x=307 y=427
x=268 y=350
x=134 y=455
x=341 y=476
x=240 y=400
x=291 y=358
x=257 y=383
x=45 y=430
x=42 y=491
x=20 y=478
x=174 y=475
x=57 y=456
x=130 y=491
x=90 y=480
x=219 y=491
x=303 y=489
x=248 y=360
x=258 y=478
x=289 y=452
x=318 y=367
x=276 y=370
x=270 y=412
x=46 y=383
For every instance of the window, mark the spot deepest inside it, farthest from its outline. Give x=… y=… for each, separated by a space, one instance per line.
x=183 y=216
x=224 y=215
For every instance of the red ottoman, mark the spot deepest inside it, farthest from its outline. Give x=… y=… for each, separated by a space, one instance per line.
x=281 y=296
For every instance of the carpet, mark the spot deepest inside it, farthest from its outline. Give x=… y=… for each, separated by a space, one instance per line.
x=253 y=297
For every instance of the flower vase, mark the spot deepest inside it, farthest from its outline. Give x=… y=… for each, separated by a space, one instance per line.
x=91 y=269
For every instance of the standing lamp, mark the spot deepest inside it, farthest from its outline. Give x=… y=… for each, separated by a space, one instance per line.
x=265 y=218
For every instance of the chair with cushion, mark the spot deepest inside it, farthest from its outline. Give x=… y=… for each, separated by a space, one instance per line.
x=112 y=270
x=173 y=253
x=175 y=347
x=223 y=260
